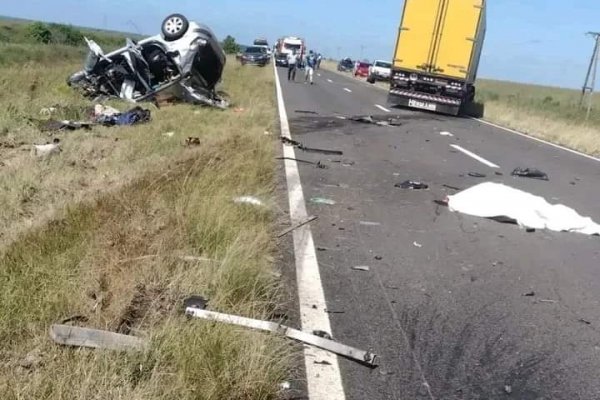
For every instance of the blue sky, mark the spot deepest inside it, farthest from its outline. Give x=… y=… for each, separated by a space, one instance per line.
x=536 y=41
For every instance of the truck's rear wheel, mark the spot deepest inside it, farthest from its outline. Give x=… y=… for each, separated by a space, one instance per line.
x=472 y=109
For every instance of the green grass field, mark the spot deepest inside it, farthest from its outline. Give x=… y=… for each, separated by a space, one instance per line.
x=99 y=231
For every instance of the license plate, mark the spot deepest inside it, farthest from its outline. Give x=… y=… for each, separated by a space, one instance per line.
x=422 y=105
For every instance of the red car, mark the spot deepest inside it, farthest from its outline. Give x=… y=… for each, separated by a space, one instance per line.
x=362 y=69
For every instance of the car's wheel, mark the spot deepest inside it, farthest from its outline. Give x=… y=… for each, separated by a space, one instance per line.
x=370 y=79
x=174 y=27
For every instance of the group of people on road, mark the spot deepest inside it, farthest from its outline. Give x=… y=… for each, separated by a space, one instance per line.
x=310 y=61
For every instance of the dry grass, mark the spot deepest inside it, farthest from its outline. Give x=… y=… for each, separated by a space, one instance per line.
x=75 y=225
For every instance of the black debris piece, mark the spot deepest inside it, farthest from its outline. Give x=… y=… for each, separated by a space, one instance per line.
x=195 y=302
x=306 y=112
x=335 y=312
x=53 y=125
x=498 y=173
x=368 y=119
x=297 y=160
x=530 y=173
x=322 y=249
x=320 y=165
x=378 y=258
x=477 y=175
x=322 y=334
x=324 y=362
x=302 y=147
x=443 y=203
x=529 y=294
x=583 y=321
x=413 y=185
x=452 y=187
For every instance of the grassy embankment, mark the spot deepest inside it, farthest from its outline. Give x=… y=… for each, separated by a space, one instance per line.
x=98 y=232
x=548 y=113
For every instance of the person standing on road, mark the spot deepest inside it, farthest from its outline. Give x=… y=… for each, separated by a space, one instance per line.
x=319 y=59
x=292 y=60
x=311 y=63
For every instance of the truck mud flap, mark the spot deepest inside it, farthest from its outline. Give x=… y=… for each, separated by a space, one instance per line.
x=424 y=105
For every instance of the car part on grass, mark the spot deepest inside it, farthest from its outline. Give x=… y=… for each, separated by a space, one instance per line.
x=494 y=200
x=198 y=302
x=530 y=173
x=298 y=225
x=136 y=115
x=192 y=141
x=248 y=200
x=322 y=200
x=302 y=147
x=361 y=356
x=68 y=335
x=46 y=150
x=364 y=268
x=477 y=175
x=413 y=185
x=186 y=61
x=54 y=125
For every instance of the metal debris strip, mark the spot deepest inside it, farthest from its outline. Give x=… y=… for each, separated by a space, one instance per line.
x=68 y=335
x=302 y=147
x=530 y=173
x=361 y=356
x=364 y=268
x=368 y=119
x=298 y=225
x=413 y=185
x=306 y=112
x=477 y=175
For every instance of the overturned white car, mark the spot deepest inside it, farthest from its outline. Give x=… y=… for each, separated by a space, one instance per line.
x=186 y=60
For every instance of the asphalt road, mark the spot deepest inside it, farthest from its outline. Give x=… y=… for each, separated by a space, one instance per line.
x=443 y=304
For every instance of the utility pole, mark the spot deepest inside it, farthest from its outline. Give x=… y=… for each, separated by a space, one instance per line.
x=590 y=78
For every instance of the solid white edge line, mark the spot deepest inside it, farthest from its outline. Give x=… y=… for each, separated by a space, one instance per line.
x=348 y=90
x=382 y=108
x=475 y=156
x=537 y=139
x=324 y=381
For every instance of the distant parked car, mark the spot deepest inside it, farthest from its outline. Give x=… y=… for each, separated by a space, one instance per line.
x=345 y=65
x=255 y=55
x=380 y=71
x=362 y=69
x=281 y=60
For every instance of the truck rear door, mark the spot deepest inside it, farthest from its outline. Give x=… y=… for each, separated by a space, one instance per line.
x=418 y=30
x=457 y=37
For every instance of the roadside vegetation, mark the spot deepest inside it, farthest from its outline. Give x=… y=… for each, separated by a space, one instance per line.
x=547 y=113
x=98 y=232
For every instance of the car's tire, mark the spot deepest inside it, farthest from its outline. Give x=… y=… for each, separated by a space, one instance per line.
x=174 y=27
x=371 y=79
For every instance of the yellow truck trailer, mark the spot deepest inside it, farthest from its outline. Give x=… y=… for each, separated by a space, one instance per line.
x=437 y=55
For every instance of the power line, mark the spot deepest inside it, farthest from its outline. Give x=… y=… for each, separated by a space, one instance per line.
x=590 y=78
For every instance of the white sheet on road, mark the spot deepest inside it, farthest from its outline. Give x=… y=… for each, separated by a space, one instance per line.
x=490 y=200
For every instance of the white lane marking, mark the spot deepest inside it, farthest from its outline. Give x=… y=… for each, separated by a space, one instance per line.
x=538 y=140
x=446 y=134
x=347 y=90
x=324 y=381
x=382 y=108
x=329 y=80
x=475 y=156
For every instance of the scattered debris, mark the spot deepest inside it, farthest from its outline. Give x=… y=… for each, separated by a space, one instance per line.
x=322 y=249
x=285 y=386
x=306 y=112
x=48 y=111
x=419 y=245
x=74 y=318
x=324 y=362
x=446 y=134
x=105 y=111
x=369 y=223
x=192 y=141
x=495 y=200
x=508 y=389
x=46 y=150
x=248 y=200
x=477 y=175
x=321 y=200
x=322 y=334
x=530 y=173
x=368 y=119
x=585 y=321
x=413 y=185
x=361 y=268
x=239 y=109
x=298 y=225
x=266 y=133
x=169 y=134
x=378 y=258
x=452 y=187
x=335 y=312
x=68 y=335
x=198 y=302
x=364 y=357
x=297 y=160
x=302 y=147
x=498 y=173
x=529 y=294
x=53 y=125
x=547 y=301
x=340 y=117
x=32 y=360
x=348 y=163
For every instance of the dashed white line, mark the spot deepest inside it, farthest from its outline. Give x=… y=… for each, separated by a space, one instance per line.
x=348 y=90
x=557 y=146
x=324 y=380
x=382 y=108
x=475 y=156
x=329 y=80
